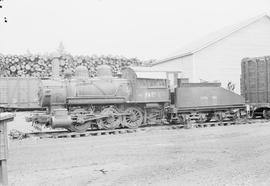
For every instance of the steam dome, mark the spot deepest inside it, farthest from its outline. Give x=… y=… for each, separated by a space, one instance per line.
x=104 y=70
x=81 y=71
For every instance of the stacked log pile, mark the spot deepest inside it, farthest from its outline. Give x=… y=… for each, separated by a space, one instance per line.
x=41 y=65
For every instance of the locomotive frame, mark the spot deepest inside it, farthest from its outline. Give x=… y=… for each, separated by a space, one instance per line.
x=104 y=102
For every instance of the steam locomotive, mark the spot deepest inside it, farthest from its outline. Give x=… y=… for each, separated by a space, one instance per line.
x=78 y=103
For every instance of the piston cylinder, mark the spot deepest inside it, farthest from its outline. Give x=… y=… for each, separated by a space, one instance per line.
x=61 y=119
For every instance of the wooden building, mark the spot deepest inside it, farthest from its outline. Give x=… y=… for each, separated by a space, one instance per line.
x=217 y=57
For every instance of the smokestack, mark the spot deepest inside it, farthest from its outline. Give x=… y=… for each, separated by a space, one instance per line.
x=55 y=68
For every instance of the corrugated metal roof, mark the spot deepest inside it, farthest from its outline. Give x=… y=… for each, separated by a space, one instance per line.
x=151 y=75
x=211 y=39
x=154 y=69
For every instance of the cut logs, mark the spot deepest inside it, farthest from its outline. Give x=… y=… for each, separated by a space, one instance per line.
x=41 y=66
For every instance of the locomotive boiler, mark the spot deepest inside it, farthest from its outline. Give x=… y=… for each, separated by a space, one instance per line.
x=78 y=102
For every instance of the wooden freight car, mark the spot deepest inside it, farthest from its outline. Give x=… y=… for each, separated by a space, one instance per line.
x=255 y=85
x=19 y=93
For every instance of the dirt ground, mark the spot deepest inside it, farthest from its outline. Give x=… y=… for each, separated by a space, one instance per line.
x=231 y=155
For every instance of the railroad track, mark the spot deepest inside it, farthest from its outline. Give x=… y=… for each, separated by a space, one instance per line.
x=65 y=134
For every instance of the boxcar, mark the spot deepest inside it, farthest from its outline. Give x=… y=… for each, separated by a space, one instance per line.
x=19 y=93
x=255 y=85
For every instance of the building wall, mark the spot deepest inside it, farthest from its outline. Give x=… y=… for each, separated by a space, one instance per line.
x=184 y=64
x=222 y=60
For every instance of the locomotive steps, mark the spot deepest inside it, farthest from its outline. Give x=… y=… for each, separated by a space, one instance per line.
x=65 y=134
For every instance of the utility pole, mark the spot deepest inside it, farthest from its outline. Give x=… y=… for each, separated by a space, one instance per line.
x=4 y=118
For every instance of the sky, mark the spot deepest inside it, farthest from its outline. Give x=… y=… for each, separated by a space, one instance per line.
x=146 y=29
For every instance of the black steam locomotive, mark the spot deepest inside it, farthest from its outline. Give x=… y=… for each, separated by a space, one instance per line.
x=78 y=103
